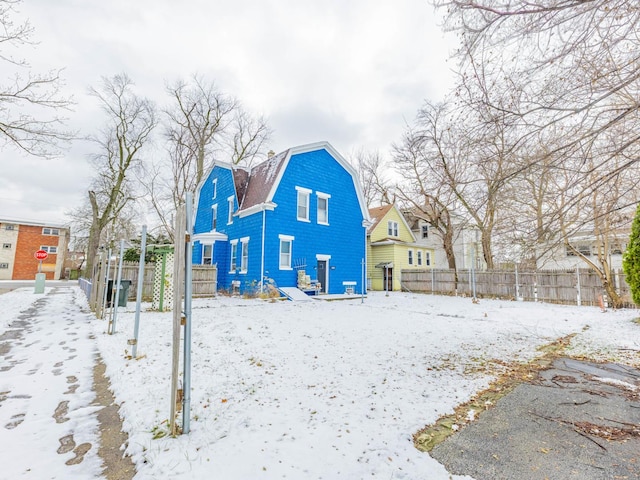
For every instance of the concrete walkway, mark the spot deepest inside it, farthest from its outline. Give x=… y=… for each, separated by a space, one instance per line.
x=54 y=398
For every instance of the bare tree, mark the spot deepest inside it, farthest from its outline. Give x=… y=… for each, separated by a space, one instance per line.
x=202 y=124
x=130 y=121
x=422 y=192
x=30 y=103
x=374 y=179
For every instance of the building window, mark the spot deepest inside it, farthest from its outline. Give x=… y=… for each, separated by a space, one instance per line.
x=214 y=187
x=410 y=259
x=234 y=256
x=303 y=204
x=230 y=202
x=392 y=228
x=6 y=246
x=419 y=257
x=207 y=254
x=286 y=242
x=49 y=249
x=51 y=231
x=425 y=231
x=427 y=258
x=4 y=265
x=9 y=226
x=214 y=217
x=244 y=255
x=323 y=208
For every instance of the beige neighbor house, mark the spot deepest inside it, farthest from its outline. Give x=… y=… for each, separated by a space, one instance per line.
x=391 y=247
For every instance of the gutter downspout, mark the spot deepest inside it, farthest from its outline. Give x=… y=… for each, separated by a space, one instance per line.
x=264 y=214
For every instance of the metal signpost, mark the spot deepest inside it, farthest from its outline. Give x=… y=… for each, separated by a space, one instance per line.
x=40 y=255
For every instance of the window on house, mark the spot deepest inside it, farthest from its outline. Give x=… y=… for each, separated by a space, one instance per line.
x=207 y=254
x=286 y=242
x=419 y=257
x=6 y=246
x=585 y=250
x=214 y=217
x=230 y=203
x=244 y=255
x=303 y=204
x=4 y=265
x=9 y=226
x=392 y=228
x=616 y=249
x=425 y=231
x=49 y=248
x=570 y=252
x=50 y=231
x=410 y=259
x=427 y=258
x=323 y=208
x=234 y=256
x=214 y=188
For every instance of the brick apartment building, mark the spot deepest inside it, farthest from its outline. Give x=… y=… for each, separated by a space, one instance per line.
x=19 y=240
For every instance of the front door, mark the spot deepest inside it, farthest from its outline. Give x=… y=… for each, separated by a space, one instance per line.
x=388 y=279
x=322 y=275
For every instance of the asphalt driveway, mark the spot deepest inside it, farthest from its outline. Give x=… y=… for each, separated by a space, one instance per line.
x=577 y=420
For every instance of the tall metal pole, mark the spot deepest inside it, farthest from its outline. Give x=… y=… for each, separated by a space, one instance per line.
x=106 y=284
x=136 y=325
x=178 y=283
x=116 y=301
x=188 y=291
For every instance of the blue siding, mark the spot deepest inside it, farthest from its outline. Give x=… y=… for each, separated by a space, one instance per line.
x=343 y=239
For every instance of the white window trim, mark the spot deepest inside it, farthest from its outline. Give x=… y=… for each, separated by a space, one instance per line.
x=53 y=249
x=290 y=239
x=393 y=229
x=244 y=241
x=230 y=204
x=50 y=231
x=233 y=243
x=215 y=188
x=419 y=258
x=410 y=256
x=427 y=259
x=307 y=192
x=325 y=196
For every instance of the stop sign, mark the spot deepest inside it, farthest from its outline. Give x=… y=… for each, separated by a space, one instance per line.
x=41 y=255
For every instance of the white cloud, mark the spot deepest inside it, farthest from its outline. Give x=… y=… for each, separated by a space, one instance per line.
x=350 y=73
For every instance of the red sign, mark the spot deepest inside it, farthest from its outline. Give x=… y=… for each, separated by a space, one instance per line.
x=41 y=255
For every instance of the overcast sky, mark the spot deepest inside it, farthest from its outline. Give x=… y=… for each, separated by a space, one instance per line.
x=348 y=72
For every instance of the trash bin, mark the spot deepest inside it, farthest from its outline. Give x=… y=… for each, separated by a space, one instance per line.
x=123 y=294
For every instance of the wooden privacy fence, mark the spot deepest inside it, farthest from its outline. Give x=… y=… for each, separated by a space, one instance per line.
x=205 y=279
x=571 y=287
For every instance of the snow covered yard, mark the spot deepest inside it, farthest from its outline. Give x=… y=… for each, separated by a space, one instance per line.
x=330 y=389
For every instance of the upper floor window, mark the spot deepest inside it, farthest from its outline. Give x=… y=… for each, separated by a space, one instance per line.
x=4 y=265
x=425 y=231
x=50 y=231
x=230 y=202
x=392 y=228
x=214 y=217
x=49 y=248
x=6 y=246
x=323 y=208
x=214 y=189
x=303 y=204
x=9 y=226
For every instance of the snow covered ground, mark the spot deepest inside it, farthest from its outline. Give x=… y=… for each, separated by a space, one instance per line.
x=320 y=390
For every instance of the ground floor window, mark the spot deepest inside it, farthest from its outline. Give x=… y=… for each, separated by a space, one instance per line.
x=207 y=254
x=286 y=242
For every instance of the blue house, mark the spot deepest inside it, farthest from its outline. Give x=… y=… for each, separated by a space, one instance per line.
x=299 y=217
